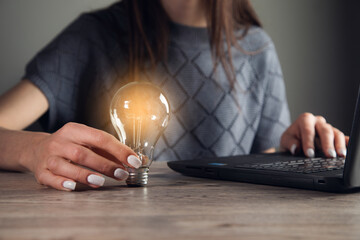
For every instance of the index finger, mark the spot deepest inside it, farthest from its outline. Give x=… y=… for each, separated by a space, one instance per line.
x=94 y=138
x=307 y=132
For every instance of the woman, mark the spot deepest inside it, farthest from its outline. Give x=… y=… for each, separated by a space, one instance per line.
x=215 y=63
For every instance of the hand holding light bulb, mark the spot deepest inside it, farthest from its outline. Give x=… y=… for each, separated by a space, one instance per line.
x=74 y=154
x=140 y=112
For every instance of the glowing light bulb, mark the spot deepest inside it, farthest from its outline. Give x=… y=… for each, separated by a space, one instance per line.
x=140 y=112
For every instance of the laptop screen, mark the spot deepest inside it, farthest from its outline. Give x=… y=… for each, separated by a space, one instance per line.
x=352 y=163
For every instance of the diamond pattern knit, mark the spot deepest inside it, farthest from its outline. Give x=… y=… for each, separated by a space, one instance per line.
x=81 y=69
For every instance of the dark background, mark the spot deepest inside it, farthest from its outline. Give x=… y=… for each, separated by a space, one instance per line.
x=318 y=43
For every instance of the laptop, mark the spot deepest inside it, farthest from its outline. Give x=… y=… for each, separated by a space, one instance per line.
x=283 y=169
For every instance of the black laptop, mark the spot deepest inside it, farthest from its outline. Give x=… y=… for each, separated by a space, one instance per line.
x=282 y=169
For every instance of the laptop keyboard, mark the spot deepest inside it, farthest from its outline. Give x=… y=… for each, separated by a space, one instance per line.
x=309 y=165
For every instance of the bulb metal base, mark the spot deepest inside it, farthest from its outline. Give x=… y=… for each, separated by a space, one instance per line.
x=137 y=177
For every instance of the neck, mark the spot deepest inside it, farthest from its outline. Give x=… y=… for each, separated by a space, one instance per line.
x=186 y=12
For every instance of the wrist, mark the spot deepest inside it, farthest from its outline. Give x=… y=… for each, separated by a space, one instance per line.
x=30 y=145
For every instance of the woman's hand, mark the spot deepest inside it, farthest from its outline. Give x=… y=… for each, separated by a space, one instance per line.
x=61 y=159
x=309 y=130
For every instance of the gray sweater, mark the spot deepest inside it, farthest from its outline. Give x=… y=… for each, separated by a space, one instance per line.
x=81 y=69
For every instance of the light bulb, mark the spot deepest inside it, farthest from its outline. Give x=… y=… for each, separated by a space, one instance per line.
x=140 y=112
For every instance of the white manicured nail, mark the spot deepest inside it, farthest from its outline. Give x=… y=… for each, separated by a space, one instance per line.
x=343 y=152
x=121 y=174
x=293 y=149
x=332 y=153
x=69 y=185
x=310 y=153
x=134 y=161
x=96 y=180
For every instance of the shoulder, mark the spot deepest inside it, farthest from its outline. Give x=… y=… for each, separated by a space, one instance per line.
x=91 y=34
x=98 y=25
x=110 y=18
x=261 y=53
x=256 y=40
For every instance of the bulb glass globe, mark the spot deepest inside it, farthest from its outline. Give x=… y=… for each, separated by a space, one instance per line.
x=140 y=112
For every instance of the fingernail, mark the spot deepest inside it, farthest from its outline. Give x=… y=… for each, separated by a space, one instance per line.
x=332 y=153
x=343 y=152
x=96 y=180
x=134 y=161
x=310 y=153
x=293 y=149
x=69 y=185
x=121 y=174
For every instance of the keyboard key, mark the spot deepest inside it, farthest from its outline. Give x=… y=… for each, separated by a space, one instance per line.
x=308 y=165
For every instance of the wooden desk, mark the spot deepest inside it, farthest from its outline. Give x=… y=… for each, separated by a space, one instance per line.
x=174 y=207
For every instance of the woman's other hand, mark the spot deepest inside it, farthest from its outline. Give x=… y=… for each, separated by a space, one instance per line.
x=72 y=153
x=310 y=131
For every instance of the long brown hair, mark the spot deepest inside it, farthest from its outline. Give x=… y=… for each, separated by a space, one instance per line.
x=148 y=22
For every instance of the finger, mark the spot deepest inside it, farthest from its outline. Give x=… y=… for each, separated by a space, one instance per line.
x=58 y=182
x=306 y=123
x=340 y=142
x=290 y=143
x=326 y=135
x=320 y=119
x=62 y=167
x=85 y=157
x=91 y=137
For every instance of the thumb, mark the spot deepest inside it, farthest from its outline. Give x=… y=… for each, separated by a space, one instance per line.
x=290 y=143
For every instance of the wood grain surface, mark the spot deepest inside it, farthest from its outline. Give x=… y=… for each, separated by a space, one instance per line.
x=174 y=207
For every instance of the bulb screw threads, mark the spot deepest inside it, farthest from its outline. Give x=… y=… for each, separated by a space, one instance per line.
x=137 y=177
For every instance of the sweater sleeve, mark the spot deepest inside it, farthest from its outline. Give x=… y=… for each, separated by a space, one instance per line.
x=275 y=116
x=58 y=69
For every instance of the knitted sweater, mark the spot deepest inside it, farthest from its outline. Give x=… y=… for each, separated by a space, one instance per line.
x=82 y=68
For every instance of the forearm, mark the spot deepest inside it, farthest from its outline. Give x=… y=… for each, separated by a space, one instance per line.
x=16 y=148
